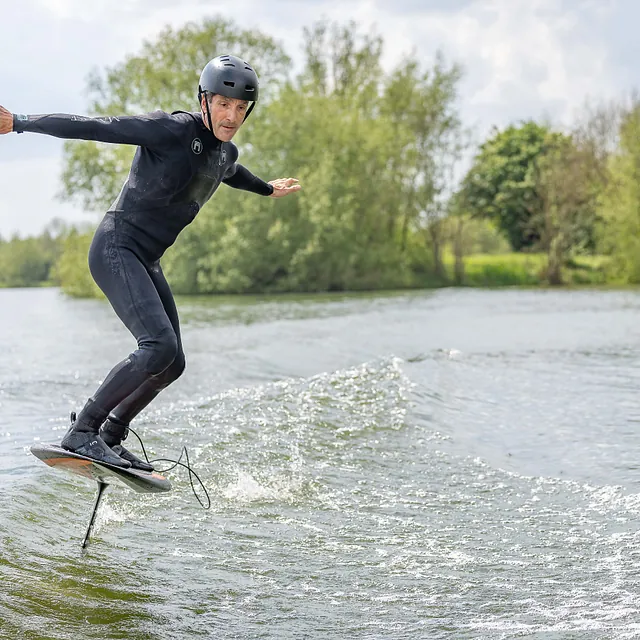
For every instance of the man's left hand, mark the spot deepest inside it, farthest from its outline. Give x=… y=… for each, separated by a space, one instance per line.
x=6 y=121
x=284 y=186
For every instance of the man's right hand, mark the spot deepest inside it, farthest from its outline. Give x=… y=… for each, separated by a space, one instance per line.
x=6 y=121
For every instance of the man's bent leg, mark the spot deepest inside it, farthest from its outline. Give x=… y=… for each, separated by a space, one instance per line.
x=128 y=286
x=116 y=427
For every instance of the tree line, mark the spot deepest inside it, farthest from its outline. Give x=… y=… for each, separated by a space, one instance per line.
x=31 y=261
x=376 y=150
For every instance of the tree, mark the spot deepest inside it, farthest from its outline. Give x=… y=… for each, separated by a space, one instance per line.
x=430 y=139
x=28 y=262
x=620 y=201
x=567 y=183
x=366 y=146
x=501 y=184
x=71 y=268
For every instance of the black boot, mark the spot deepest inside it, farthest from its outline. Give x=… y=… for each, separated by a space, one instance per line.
x=84 y=440
x=113 y=433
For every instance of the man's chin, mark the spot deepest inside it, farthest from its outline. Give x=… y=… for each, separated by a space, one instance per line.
x=225 y=134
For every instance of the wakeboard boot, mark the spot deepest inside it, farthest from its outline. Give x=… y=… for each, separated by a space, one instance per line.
x=86 y=441
x=113 y=432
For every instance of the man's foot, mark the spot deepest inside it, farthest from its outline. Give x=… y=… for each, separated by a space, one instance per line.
x=91 y=445
x=113 y=434
x=135 y=462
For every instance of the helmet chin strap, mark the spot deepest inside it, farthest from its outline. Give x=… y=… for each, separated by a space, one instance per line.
x=206 y=102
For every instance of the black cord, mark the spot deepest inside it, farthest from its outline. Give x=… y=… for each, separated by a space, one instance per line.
x=192 y=473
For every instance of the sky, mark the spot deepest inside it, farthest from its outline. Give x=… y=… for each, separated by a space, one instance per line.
x=522 y=59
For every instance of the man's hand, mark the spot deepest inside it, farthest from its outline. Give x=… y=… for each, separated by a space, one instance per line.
x=283 y=187
x=6 y=121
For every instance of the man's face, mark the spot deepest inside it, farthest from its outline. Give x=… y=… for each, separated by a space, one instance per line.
x=227 y=115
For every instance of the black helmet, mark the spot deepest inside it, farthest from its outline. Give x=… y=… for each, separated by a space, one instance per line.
x=231 y=77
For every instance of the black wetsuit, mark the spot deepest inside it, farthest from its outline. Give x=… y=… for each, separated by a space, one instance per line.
x=177 y=167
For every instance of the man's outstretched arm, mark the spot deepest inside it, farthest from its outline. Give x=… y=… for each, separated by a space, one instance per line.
x=144 y=130
x=242 y=178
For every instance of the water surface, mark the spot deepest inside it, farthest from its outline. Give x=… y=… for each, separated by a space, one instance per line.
x=450 y=464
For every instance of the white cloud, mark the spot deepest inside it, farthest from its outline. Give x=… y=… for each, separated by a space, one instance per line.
x=535 y=48
x=521 y=58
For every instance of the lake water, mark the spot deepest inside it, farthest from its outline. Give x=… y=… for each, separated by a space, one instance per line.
x=448 y=464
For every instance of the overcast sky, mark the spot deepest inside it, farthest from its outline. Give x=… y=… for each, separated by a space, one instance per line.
x=522 y=59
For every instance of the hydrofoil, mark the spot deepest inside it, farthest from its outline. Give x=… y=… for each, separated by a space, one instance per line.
x=140 y=481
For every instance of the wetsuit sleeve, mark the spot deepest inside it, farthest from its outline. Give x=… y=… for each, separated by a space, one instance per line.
x=146 y=130
x=240 y=177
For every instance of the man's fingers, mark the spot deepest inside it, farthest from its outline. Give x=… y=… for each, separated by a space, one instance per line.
x=283 y=186
x=6 y=120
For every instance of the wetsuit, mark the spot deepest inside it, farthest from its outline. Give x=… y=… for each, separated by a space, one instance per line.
x=177 y=167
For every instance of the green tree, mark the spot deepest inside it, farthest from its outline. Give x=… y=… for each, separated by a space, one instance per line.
x=366 y=146
x=71 y=269
x=567 y=183
x=420 y=104
x=22 y=263
x=620 y=201
x=335 y=128
x=501 y=184
x=28 y=262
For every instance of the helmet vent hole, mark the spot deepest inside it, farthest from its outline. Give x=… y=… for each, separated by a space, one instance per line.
x=227 y=83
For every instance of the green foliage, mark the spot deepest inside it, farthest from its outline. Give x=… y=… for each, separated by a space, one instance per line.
x=365 y=145
x=28 y=262
x=620 y=204
x=23 y=263
x=568 y=184
x=527 y=269
x=478 y=235
x=72 y=270
x=502 y=269
x=588 y=270
x=501 y=184
x=375 y=151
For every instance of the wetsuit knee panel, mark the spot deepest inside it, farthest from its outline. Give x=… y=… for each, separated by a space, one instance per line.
x=159 y=352
x=172 y=372
x=178 y=366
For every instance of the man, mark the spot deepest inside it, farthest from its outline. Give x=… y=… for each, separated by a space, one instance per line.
x=180 y=161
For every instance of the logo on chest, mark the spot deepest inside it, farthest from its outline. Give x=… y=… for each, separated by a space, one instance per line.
x=196 y=146
x=223 y=157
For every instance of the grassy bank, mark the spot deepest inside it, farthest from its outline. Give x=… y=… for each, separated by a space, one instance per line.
x=480 y=270
x=525 y=269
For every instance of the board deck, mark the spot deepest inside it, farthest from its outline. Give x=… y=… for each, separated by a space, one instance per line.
x=140 y=481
